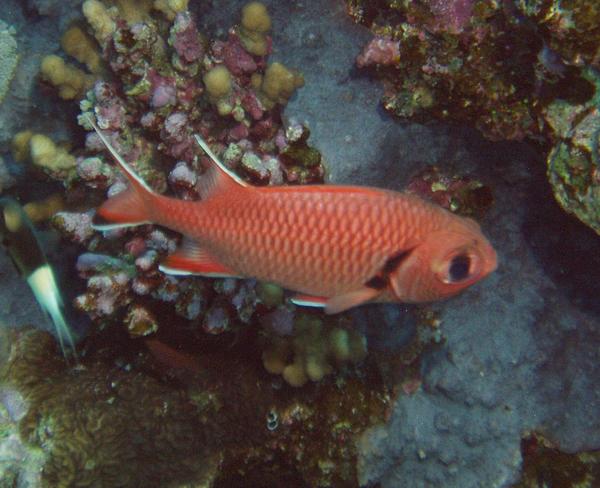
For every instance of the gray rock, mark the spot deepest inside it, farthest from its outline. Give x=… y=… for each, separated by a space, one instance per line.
x=522 y=348
x=8 y=57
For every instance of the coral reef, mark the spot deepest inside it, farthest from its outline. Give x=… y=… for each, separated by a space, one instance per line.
x=543 y=463
x=515 y=354
x=449 y=60
x=124 y=422
x=310 y=350
x=169 y=82
x=574 y=160
x=100 y=424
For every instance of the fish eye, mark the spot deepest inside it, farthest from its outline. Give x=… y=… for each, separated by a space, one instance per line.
x=459 y=268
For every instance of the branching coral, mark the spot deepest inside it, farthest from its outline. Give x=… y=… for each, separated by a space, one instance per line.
x=70 y=81
x=170 y=8
x=100 y=19
x=55 y=160
x=168 y=82
x=255 y=25
x=76 y=43
x=278 y=84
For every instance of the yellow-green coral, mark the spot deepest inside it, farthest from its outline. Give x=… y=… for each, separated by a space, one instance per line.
x=256 y=23
x=79 y=45
x=20 y=145
x=41 y=210
x=100 y=18
x=170 y=8
x=53 y=159
x=70 y=81
x=46 y=154
x=278 y=84
x=218 y=86
x=313 y=351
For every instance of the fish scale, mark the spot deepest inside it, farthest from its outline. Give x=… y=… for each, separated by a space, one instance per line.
x=340 y=246
x=250 y=234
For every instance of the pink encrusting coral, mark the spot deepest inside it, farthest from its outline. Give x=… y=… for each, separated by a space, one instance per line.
x=451 y=15
x=381 y=51
x=168 y=82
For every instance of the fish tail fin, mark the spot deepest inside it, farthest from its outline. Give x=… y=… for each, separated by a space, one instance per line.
x=130 y=207
x=126 y=209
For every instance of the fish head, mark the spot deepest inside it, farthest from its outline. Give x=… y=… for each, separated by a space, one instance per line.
x=444 y=263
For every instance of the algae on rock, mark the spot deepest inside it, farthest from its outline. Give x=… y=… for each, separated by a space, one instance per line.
x=574 y=161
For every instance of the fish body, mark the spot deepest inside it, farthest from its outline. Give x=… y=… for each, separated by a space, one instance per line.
x=23 y=246
x=338 y=246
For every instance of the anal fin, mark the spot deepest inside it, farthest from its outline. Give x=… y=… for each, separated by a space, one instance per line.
x=309 y=301
x=338 y=303
x=191 y=259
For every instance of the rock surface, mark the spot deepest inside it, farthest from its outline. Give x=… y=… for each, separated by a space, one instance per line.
x=521 y=349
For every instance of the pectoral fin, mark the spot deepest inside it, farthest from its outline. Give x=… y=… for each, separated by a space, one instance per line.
x=191 y=259
x=338 y=303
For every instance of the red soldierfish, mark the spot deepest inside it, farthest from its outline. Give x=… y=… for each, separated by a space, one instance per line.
x=338 y=246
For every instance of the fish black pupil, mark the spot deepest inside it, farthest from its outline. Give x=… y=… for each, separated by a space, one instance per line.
x=459 y=268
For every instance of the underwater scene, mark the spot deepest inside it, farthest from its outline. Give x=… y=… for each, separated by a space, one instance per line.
x=300 y=243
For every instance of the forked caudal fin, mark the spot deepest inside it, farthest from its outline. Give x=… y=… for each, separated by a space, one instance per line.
x=130 y=207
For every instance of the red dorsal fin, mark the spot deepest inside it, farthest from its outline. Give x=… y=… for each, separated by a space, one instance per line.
x=191 y=259
x=218 y=177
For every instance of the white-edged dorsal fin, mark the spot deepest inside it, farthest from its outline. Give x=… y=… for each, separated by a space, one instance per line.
x=218 y=177
x=124 y=165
